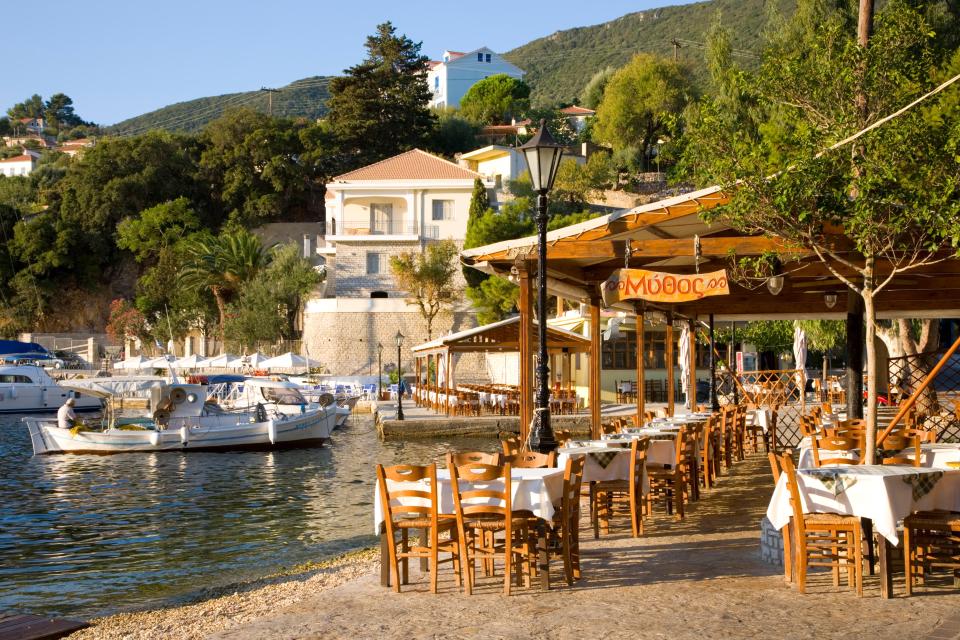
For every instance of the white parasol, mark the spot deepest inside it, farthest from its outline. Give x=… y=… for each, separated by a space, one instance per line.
x=683 y=359
x=800 y=356
x=289 y=360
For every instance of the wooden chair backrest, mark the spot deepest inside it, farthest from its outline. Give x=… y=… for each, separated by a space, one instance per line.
x=471 y=501
x=466 y=457
x=572 y=482
x=902 y=446
x=774 y=466
x=407 y=501
x=808 y=426
x=562 y=436
x=832 y=443
x=786 y=465
x=532 y=460
x=609 y=428
x=638 y=461
x=510 y=446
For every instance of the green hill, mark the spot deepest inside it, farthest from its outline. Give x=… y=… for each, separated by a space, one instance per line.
x=558 y=66
x=304 y=98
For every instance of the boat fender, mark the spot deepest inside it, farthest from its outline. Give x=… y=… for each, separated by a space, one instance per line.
x=272 y=431
x=184 y=434
x=154 y=438
x=260 y=413
x=178 y=395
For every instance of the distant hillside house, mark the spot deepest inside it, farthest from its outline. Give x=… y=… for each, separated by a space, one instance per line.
x=451 y=77
x=496 y=163
x=33 y=125
x=577 y=116
x=397 y=205
x=75 y=147
x=22 y=165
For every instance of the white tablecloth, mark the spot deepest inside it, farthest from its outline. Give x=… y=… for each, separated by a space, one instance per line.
x=934 y=455
x=885 y=494
x=531 y=490
x=660 y=451
x=761 y=418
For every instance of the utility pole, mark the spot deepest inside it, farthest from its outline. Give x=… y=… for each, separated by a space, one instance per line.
x=270 y=93
x=676 y=49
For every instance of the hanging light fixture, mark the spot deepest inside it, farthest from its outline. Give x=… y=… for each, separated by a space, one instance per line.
x=830 y=299
x=775 y=284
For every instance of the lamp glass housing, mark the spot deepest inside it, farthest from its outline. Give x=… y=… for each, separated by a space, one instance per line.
x=542 y=154
x=399 y=338
x=830 y=299
x=775 y=284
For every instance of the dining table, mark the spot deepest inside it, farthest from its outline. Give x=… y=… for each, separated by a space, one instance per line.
x=884 y=494
x=536 y=490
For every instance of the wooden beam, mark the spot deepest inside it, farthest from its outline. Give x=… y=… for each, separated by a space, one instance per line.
x=641 y=367
x=595 y=358
x=526 y=354
x=669 y=247
x=669 y=356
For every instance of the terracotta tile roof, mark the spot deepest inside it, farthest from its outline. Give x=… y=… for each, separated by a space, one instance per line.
x=497 y=129
x=456 y=54
x=432 y=64
x=577 y=111
x=412 y=165
x=23 y=158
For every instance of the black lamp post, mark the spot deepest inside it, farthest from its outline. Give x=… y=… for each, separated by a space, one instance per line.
x=399 y=338
x=542 y=154
x=379 y=371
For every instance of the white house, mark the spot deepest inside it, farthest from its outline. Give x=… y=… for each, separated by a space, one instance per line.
x=577 y=116
x=398 y=205
x=496 y=163
x=22 y=165
x=451 y=77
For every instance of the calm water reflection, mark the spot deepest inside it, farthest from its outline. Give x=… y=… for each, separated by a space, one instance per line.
x=85 y=535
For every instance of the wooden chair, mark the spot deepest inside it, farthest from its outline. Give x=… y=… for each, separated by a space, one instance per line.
x=608 y=497
x=671 y=481
x=609 y=428
x=902 y=446
x=466 y=457
x=808 y=426
x=930 y=539
x=531 y=460
x=706 y=467
x=400 y=515
x=785 y=531
x=753 y=433
x=833 y=446
x=563 y=532
x=482 y=513
x=511 y=445
x=824 y=539
x=562 y=436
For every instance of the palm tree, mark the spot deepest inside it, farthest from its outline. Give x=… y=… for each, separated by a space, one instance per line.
x=222 y=264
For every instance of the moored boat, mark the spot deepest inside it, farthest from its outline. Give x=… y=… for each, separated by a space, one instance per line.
x=181 y=417
x=30 y=389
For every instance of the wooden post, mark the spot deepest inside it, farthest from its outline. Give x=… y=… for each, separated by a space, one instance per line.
x=416 y=394
x=692 y=375
x=526 y=354
x=641 y=368
x=714 y=400
x=854 y=355
x=446 y=382
x=595 y=358
x=669 y=356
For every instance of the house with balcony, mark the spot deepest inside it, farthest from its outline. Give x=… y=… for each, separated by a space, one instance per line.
x=397 y=205
x=452 y=76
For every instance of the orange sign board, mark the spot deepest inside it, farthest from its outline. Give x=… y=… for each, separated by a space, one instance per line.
x=654 y=286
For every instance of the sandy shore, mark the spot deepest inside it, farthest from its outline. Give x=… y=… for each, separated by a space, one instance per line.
x=223 y=608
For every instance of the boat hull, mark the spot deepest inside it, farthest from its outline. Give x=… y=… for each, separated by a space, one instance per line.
x=210 y=433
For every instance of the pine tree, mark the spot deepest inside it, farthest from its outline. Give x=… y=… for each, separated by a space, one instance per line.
x=380 y=107
x=479 y=203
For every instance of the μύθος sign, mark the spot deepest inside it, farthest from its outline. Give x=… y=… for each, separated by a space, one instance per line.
x=655 y=286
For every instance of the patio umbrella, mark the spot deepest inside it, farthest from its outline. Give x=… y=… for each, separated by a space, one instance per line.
x=221 y=361
x=441 y=371
x=683 y=359
x=800 y=356
x=188 y=362
x=131 y=364
x=254 y=360
x=289 y=360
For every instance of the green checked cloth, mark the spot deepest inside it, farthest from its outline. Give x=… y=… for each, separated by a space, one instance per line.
x=603 y=458
x=833 y=478
x=922 y=483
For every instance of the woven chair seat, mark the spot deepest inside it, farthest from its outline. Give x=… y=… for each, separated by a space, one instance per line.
x=829 y=518
x=445 y=522
x=933 y=519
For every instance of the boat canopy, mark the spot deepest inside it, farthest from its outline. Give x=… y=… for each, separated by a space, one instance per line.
x=11 y=347
x=109 y=387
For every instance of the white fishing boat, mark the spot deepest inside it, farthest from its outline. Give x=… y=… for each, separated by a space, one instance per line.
x=180 y=417
x=30 y=389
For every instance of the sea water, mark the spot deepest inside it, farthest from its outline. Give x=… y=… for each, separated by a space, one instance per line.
x=86 y=535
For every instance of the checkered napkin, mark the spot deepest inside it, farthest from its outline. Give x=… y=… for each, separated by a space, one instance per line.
x=922 y=483
x=833 y=478
x=603 y=458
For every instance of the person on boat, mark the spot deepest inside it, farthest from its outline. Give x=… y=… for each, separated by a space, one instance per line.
x=66 y=417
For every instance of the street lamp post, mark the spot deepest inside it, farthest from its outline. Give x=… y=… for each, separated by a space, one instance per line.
x=379 y=371
x=542 y=154
x=399 y=338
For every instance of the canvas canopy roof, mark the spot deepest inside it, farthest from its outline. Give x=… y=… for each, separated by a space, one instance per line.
x=502 y=336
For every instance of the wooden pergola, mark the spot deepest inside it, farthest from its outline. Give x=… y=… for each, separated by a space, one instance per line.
x=670 y=236
x=504 y=336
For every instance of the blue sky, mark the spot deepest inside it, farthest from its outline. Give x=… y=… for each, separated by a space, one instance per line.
x=121 y=58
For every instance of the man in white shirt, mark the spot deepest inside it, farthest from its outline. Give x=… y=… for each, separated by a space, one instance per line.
x=66 y=417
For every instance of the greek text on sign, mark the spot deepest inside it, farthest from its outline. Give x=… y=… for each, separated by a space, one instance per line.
x=640 y=284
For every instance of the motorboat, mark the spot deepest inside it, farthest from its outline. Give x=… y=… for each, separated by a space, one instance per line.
x=156 y=415
x=30 y=389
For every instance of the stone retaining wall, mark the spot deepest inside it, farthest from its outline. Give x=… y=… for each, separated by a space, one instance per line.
x=492 y=426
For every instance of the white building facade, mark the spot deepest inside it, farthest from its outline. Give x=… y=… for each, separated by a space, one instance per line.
x=22 y=165
x=451 y=77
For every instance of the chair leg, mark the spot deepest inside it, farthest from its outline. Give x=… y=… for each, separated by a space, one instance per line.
x=907 y=561
x=507 y=562
x=404 y=549
x=858 y=560
x=434 y=558
x=394 y=568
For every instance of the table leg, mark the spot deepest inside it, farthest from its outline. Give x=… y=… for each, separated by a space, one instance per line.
x=384 y=560
x=886 y=576
x=543 y=558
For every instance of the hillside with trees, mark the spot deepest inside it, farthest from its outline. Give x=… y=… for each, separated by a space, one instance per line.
x=560 y=65
x=304 y=98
